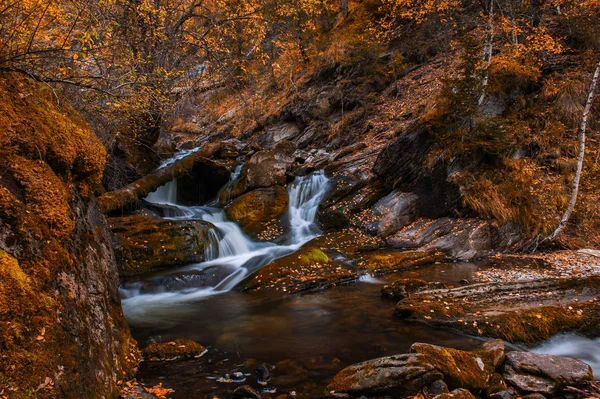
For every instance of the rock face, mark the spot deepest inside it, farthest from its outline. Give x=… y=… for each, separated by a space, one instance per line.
x=404 y=287
x=259 y=210
x=144 y=243
x=60 y=313
x=387 y=262
x=266 y=168
x=406 y=374
x=546 y=374
x=394 y=211
x=529 y=311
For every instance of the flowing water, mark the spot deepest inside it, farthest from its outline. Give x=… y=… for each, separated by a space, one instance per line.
x=305 y=339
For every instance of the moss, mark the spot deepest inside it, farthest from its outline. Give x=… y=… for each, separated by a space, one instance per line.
x=255 y=210
x=392 y=261
x=313 y=256
x=180 y=348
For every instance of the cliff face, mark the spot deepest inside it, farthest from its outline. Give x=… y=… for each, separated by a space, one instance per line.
x=62 y=331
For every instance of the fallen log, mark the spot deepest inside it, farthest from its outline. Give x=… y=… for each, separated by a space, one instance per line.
x=128 y=195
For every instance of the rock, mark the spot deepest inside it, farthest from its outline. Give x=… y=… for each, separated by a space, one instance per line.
x=60 y=313
x=534 y=396
x=496 y=384
x=438 y=387
x=528 y=311
x=245 y=392
x=283 y=131
x=420 y=233
x=399 y=375
x=470 y=370
x=506 y=394
x=546 y=374
x=493 y=352
x=180 y=349
x=401 y=166
x=259 y=210
x=305 y=270
x=403 y=288
x=393 y=212
x=456 y=394
x=266 y=168
x=392 y=261
x=145 y=243
x=407 y=374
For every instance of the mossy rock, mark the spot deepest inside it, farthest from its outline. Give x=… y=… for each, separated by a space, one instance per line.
x=178 y=349
x=388 y=262
x=404 y=287
x=259 y=211
x=520 y=312
x=307 y=269
x=146 y=243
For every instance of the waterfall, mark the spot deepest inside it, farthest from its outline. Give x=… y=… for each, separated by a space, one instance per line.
x=230 y=252
x=164 y=195
x=572 y=345
x=305 y=194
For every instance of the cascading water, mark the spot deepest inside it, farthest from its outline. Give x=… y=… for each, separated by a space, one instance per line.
x=576 y=346
x=230 y=254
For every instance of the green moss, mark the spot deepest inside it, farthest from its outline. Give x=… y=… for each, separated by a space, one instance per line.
x=391 y=261
x=314 y=255
x=180 y=348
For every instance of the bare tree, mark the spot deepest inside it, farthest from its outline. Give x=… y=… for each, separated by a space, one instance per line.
x=582 y=129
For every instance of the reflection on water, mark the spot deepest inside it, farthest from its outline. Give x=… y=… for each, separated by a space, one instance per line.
x=310 y=336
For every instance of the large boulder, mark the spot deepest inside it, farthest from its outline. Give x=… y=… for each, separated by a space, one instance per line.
x=259 y=212
x=145 y=243
x=282 y=131
x=546 y=374
x=404 y=375
x=265 y=168
x=62 y=330
x=393 y=212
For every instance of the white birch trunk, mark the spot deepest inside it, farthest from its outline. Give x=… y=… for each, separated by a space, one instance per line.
x=487 y=51
x=582 y=129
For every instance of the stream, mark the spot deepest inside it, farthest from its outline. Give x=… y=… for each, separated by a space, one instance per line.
x=304 y=339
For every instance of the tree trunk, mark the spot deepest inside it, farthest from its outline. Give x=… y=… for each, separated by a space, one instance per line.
x=128 y=195
x=487 y=51
x=582 y=129
x=344 y=7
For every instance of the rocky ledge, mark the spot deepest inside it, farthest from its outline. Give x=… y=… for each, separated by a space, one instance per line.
x=436 y=372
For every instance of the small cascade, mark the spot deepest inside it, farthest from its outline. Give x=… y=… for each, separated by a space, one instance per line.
x=230 y=255
x=305 y=194
x=180 y=155
x=164 y=195
x=572 y=345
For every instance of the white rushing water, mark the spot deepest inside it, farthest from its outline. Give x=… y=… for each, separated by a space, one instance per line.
x=231 y=255
x=180 y=155
x=573 y=345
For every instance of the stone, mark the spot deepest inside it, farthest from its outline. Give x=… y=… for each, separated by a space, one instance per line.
x=456 y=394
x=591 y=252
x=178 y=349
x=545 y=374
x=265 y=168
x=393 y=212
x=534 y=396
x=258 y=210
x=386 y=262
x=400 y=375
x=438 y=387
x=404 y=287
x=144 y=243
x=245 y=392
x=420 y=233
x=510 y=310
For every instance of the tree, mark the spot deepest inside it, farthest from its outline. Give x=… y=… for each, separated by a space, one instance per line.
x=582 y=129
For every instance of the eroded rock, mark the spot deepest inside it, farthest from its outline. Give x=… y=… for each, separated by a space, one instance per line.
x=145 y=243
x=533 y=372
x=393 y=212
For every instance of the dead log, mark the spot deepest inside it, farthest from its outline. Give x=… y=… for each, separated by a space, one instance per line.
x=128 y=195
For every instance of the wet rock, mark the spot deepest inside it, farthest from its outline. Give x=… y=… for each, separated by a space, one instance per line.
x=461 y=369
x=266 y=168
x=496 y=384
x=178 y=349
x=259 y=210
x=529 y=311
x=420 y=233
x=283 y=131
x=534 y=396
x=403 y=288
x=546 y=374
x=456 y=394
x=392 y=261
x=506 y=394
x=307 y=269
x=438 y=387
x=246 y=392
x=146 y=244
x=400 y=375
x=393 y=212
